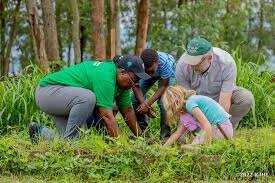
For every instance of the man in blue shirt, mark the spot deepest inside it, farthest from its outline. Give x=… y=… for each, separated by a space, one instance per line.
x=161 y=66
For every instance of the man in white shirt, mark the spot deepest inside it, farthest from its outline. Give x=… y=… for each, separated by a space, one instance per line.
x=212 y=72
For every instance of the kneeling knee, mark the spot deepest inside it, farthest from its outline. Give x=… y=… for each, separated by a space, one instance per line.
x=249 y=99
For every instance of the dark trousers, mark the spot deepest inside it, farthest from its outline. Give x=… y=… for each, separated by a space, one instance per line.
x=142 y=119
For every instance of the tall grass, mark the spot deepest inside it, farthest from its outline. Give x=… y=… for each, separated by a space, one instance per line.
x=18 y=108
x=97 y=158
x=261 y=84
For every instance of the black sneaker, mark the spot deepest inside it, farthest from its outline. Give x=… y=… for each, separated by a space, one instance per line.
x=34 y=132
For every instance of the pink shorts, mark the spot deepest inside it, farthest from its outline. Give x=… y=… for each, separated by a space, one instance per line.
x=191 y=124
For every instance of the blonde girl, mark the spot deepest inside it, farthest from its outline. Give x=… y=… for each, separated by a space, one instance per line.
x=192 y=111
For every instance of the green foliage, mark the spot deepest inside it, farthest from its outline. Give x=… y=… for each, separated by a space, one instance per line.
x=261 y=84
x=17 y=106
x=225 y=23
x=97 y=158
x=171 y=27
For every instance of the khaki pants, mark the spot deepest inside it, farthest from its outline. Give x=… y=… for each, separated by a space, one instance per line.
x=241 y=101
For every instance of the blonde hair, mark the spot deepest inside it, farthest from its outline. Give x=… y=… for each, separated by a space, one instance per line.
x=174 y=100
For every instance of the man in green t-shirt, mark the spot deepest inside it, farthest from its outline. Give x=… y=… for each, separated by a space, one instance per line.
x=71 y=95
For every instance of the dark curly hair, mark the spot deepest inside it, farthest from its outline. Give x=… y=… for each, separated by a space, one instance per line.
x=149 y=57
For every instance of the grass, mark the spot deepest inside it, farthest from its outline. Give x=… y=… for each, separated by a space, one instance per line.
x=99 y=158
x=37 y=179
x=18 y=108
x=261 y=84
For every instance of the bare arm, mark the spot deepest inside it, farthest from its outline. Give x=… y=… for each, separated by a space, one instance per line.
x=159 y=92
x=225 y=100
x=204 y=123
x=175 y=136
x=130 y=119
x=138 y=93
x=110 y=121
x=146 y=105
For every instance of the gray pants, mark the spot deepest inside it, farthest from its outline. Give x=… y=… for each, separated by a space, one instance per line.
x=241 y=101
x=69 y=107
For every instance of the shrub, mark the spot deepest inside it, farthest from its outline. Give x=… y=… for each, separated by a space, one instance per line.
x=97 y=158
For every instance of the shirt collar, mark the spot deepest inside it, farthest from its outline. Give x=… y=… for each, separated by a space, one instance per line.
x=211 y=64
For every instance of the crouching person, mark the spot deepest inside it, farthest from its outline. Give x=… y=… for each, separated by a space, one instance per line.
x=161 y=66
x=192 y=111
x=212 y=72
x=71 y=95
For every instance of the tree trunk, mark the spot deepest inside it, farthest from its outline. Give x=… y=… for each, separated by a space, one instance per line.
x=37 y=35
x=142 y=25
x=261 y=29
x=2 y=36
x=76 y=40
x=6 y=47
x=111 y=30
x=52 y=48
x=181 y=2
x=58 y=14
x=117 y=22
x=83 y=40
x=69 y=55
x=225 y=22
x=98 y=40
x=11 y=39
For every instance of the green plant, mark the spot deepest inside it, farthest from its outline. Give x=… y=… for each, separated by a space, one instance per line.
x=17 y=106
x=95 y=157
x=251 y=77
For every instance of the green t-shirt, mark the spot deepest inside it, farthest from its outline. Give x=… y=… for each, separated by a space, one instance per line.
x=99 y=77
